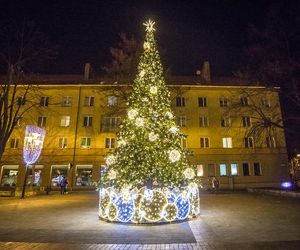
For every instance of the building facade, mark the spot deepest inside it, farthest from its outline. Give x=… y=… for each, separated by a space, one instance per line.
x=229 y=131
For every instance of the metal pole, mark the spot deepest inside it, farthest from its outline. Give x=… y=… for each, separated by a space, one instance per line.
x=24 y=184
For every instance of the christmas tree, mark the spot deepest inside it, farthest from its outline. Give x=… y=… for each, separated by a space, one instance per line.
x=149 y=153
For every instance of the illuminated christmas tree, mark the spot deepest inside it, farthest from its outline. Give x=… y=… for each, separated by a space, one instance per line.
x=149 y=167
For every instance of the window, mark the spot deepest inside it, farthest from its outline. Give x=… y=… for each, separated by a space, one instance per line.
x=87 y=121
x=9 y=175
x=233 y=169
x=200 y=170
x=65 y=121
x=14 y=143
x=85 y=142
x=109 y=142
x=270 y=141
x=223 y=169
x=225 y=121
x=62 y=142
x=41 y=121
x=84 y=175
x=202 y=102
x=183 y=142
x=257 y=169
x=110 y=123
x=224 y=102
x=180 y=101
x=246 y=170
x=211 y=169
x=66 y=101
x=265 y=102
x=246 y=121
x=44 y=101
x=227 y=142
x=21 y=100
x=203 y=121
x=181 y=121
x=244 y=101
x=89 y=101
x=249 y=142
x=112 y=100
x=204 y=142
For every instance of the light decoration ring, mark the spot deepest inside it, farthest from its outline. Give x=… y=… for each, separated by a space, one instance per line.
x=149 y=205
x=33 y=144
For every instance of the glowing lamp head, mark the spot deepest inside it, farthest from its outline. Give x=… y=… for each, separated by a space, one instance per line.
x=286 y=184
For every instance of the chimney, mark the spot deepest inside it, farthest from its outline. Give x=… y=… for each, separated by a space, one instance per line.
x=206 y=71
x=87 y=69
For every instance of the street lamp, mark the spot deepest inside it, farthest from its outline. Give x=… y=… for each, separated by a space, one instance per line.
x=33 y=144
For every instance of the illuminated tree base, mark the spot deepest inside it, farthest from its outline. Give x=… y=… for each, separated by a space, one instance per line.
x=149 y=205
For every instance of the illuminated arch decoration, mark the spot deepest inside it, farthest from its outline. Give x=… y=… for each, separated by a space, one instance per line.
x=149 y=205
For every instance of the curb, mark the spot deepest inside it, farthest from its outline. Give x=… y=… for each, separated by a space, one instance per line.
x=284 y=193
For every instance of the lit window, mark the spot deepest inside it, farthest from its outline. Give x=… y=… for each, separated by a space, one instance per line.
x=110 y=123
x=225 y=121
x=204 y=142
x=183 y=142
x=87 y=121
x=246 y=169
x=112 y=100
x=223 y=169
x=203 y=121
x=270 y=141
x=109 y=142
x=62 y=142
x=44 y=101
x=233 y=169
x=89 y=101
x=202 y=102
x=200 y=170
x=181 y=121
x=244 y=101
x=249 y=142
x=224 y=102
x=41 y=122
x=246 y=121
x=66 y=101
x=85 y=142
x=65 y=121
x=227 y=142
x=257 y=168
x=180 y=101
x=14 y=143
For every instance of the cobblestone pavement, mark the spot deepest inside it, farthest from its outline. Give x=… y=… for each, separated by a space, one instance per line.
x=227 y=221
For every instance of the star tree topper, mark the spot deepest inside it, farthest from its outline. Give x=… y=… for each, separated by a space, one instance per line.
x=149 y=25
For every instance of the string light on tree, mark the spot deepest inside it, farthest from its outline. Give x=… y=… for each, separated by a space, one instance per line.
x=149 y=176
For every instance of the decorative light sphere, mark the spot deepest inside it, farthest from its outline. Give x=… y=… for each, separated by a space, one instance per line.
x=189 y=173
x=174 y=155
x=169 y=115
x=110 y=160
x=121 y=143
x=132 y=113
x=153 y=137
x=139 y=122
x=173 y=130
x=153 y=90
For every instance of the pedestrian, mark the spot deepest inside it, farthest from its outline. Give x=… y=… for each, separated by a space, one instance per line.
x=215 y=184
x=63 y=185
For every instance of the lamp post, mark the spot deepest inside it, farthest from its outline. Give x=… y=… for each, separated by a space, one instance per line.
x=33 y=144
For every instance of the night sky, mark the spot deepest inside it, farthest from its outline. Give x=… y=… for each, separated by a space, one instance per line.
x=189 y=31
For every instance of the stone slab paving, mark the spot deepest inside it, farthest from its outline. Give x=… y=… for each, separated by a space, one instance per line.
x=227 y=221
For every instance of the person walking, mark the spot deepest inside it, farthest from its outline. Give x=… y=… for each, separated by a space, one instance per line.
x=63 y=185
x=215 y=184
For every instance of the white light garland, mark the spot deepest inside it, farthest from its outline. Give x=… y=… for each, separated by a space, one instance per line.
x=173 y=130
x=132 y=113
x=189 y=173
x=122 y=143
x=174 y=155
x=110 y=160
x=112 y=174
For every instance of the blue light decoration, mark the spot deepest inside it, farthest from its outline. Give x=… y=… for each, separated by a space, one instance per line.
x=33 y=144
x=149 y=205
x=286 y=184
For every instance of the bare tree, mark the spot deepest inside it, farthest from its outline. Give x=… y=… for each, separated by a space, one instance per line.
x=21 y=47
